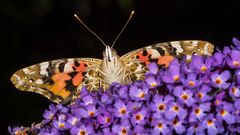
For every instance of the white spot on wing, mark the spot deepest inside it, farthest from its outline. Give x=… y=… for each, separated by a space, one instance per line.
x=154 y=54
x=206 y=51
x=39 y=81
x=27 y=71
x=194 y=43
x=19 y=81
x=70 y=60
x=43 y=68
x=177 y=45
x=68 y=67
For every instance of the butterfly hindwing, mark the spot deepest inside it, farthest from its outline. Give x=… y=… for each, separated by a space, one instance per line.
x=162 y=53
x=59 y=80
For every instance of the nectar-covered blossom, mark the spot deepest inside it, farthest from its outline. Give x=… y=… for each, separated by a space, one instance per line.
x=188 y=97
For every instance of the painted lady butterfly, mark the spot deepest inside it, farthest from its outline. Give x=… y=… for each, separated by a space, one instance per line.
x=61 y=80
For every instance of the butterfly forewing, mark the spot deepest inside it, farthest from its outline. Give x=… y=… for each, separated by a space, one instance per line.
x=162 y=53
x=59 y=80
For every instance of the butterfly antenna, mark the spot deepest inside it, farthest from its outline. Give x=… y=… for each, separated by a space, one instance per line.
x=76 y=16
x=123 y=28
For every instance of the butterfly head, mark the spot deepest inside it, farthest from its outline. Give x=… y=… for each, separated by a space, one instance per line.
x=109 y=54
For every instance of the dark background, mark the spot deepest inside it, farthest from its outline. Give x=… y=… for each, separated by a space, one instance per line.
x=34 y=31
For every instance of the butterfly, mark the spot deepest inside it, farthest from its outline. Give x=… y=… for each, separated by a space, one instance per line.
x=61 y=80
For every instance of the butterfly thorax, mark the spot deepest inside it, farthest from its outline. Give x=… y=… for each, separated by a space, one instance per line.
x=112 y=69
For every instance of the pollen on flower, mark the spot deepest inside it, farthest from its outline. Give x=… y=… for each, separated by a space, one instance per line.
x=191 y=83
x=234 y=90
x=210 y=123
x=200 y=95
x=161 y=107
x=82 y=132
x=91 y=114
x=61 y=125
x=122 y=110
x=160 y=125
x=175 y=108
x=236 y=63
x=203 y=68
x=141 y=95
x=138 y=117
x=175 y=122
x=198 y=111
x=124 y=131
x=108 y=119
x=154 y=84
x=176 y=78
x=218 y=80
x=223 y=112
x=184 y=96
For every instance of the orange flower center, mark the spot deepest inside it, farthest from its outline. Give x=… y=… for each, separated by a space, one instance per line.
x=108 y=119
x=175 y=122
x=176 y=78
x=236 y=63
x=218 y=81
x=82 y=132
x=223 y=112
x=185 y=96
x=153 y=84
x=161 y=107
x=141 y=95
x=209 y=122
x=123 y=111
x=61 y=125
x=138 y=117
x=124 y=131
x=200 y=95
x=234 y=90
x=197 y=111
x=191 y=83
x=160 y=125
x=91 y=114
x=176 y=108
x=203 y=68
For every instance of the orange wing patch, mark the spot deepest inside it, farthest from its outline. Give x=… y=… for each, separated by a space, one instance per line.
x=77 y=79
x=64 y=83
x=165 y=60
x=146 y=56
x=59 y=85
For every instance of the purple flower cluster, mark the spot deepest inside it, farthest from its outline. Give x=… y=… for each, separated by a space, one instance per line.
x=197 y=97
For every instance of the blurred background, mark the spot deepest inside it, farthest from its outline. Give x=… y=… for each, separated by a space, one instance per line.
x=34 y=31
